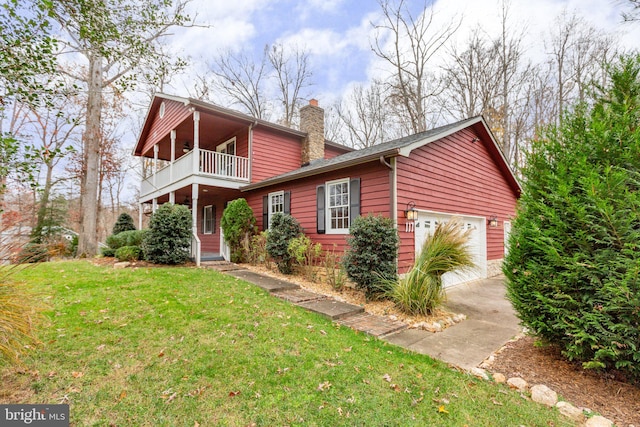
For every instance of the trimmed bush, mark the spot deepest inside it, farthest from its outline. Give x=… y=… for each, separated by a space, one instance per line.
x=123 y=223
x=574 y=251
x=282 y=230
x=108 y=252
x=371 y=258
x=128 y=253
x=238 y=225
x=420 y=291
x=126 y=238
x=169 y=236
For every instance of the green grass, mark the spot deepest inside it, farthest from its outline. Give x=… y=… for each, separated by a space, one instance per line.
x=185 y=347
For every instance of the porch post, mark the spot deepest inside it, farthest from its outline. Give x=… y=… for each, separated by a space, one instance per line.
x=154 y=205
x=173 y=154
x=140 y=207
x=172 y=197
x=196 y=141
x=155 y=164
x=194 y=219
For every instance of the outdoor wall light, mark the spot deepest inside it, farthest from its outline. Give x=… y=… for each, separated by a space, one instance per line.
x=411 y=213
x=186 y=147
x=493 y=221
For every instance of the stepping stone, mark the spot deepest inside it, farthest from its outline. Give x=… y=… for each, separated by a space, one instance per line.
x=333 y=309
x=297 y=296
x=221 y=266
x=267 y=283
x=373 y=325
x=407 y=337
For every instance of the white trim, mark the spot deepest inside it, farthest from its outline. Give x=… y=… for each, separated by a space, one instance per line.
x=222 y=148
x=327 y=208
x=161 y=110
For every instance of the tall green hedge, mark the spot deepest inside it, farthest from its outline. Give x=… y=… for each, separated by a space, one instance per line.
x=169 y=237
x=238 y=225
x=573 y=266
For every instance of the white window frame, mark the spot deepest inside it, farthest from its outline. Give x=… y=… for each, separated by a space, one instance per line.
x=224 y=147
x=212 y=220
x=328 y=226
x=273 y=211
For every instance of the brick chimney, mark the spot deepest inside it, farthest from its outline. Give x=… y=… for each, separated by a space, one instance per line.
x=312 y=122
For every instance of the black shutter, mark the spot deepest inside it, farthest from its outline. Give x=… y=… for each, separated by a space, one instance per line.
x=287 y=202
x=320 y=201
x=265 y=212
x=354 y=199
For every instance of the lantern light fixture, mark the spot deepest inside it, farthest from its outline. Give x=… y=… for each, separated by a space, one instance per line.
x=411 y=213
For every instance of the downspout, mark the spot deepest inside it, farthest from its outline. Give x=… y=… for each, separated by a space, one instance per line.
x=393 y=198
x=250 y=148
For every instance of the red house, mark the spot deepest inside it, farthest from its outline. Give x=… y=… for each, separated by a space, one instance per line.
x=204 y=156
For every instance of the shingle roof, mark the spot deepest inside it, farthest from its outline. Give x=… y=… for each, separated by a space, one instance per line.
x=364 y=155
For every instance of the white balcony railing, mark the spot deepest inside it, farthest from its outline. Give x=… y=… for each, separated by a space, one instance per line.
x=212 y=163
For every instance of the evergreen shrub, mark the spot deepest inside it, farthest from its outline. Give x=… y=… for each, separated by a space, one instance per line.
x=371 y=257
x=282 y=230
x=123 y=223
x=128 y=253
x=238 y=225
x=168 y=239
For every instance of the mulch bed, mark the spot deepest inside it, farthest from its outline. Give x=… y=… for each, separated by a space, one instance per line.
x=606 y=393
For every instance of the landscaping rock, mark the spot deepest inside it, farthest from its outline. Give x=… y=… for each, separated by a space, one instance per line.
x=499 y=378
x=123 y=264
x=598 y=421
x=517 y=383
x=542 y=394
x=480 y=373
x=433 y=327
x=570 y=411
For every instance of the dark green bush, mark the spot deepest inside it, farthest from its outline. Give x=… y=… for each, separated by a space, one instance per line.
x=123 y=223
x=128 y=253
x=238 y=225
x=126 y=238
x=32 y=253
x=371 y=258
x=282 y=230
x=574 y=260
x=108 y=252
x=169 y=236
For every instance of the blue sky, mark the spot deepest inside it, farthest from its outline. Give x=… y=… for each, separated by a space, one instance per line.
x=337 y=33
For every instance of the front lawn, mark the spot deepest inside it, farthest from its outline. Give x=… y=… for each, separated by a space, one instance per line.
x=192 y=347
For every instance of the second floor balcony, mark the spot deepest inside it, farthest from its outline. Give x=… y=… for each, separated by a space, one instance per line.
x=202 y=166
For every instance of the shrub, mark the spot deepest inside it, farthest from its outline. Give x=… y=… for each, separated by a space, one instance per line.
x=257 y=253
x=33 y=252
x=420 y=291
x=305 y=255
x=169 y=236
x=108 y=252
x=126 y=238
x=123 y=223
x=16 y=312
x=282 y=230
x=334 y=271
x=574 y=251
x=128 y=253
x=371 y=256
x=238 y=225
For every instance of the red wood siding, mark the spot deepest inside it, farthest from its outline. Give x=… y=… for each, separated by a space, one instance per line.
x=374 y=199
x=273 y=154
x=242 y=142
x=175 y=113
x=454 y=175
x=210 y=242
x=331 y=152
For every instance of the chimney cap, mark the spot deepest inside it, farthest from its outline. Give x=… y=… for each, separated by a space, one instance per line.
x=313 y=102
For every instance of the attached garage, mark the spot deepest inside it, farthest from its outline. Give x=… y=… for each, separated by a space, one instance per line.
x=426 y=224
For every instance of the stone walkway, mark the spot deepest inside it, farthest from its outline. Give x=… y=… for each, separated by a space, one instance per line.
x=490 y=321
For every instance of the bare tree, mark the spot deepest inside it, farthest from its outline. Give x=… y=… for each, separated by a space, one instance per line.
x=292 y=74
x=408 y=44
x=633 y=14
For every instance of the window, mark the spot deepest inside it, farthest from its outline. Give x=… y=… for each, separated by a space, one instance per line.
x=338 y=206
x=276 y=202
x=209 y=220
x=227 y=147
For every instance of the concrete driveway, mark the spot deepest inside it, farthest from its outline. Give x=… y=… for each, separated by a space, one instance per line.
x=490 y=323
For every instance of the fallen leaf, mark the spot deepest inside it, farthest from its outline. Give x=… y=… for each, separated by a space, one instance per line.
x=394 y=387
x=324 y=386
x=196 y=424
x=52 y=374
x=161 y=353
x=234 y=393
x=347 y=349
x=387 y=378
x=442 y=409
x=100 y=347
x=495 y=402
x=77 y=374
x=323 y=332
x=122 y=395
x=170 y=398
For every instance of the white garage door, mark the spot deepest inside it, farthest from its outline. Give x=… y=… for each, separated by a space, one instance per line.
x=426 y=224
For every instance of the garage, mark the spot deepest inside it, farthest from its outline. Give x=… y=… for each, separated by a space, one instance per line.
x=426 y=224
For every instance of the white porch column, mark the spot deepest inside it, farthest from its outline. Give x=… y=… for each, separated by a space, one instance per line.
x=172 y=197
x=173 y=154
x=154 y=205
x=196 y=141
x=140 y=207
x=155 y=164
x=194 y=219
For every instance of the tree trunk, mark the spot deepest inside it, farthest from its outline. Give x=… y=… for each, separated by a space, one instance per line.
x=88 y=240
x=44 y=203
